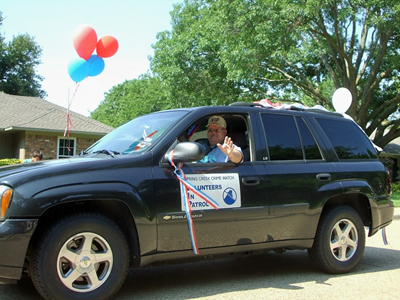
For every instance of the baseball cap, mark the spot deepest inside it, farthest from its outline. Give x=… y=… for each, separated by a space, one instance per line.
x=217 y=120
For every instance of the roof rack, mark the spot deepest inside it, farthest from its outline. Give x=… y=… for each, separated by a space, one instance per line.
x=247 y=104
x=257 y=104
x=287 y=107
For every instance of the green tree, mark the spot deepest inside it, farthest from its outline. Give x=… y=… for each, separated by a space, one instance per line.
x=291 y=50
x=188 y=59
x=18 y=61
x=130 y=99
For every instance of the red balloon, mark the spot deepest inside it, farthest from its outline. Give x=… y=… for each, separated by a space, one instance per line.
x=107 y=46
x=84 y=39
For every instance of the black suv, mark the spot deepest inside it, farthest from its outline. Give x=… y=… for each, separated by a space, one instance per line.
x=310 y=179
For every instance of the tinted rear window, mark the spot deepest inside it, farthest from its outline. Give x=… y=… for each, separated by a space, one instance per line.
x=311 y=149
x=287 y=140
x=347 y=139
x=282 y=137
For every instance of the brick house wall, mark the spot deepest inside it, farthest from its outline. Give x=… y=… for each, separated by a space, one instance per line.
x=48 y=144
x=82 y=143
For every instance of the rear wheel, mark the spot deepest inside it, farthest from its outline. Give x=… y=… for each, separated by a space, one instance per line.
x=340 y=241
x=83 y=256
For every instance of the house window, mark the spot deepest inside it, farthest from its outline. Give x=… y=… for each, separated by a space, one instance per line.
x=66 y=147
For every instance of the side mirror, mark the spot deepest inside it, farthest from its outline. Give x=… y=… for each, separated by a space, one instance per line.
x=188 y=152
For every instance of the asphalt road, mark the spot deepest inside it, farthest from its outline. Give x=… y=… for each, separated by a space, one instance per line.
x=271 y=276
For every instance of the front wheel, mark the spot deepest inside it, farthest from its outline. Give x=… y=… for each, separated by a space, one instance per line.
x=340 y=241
x=83 y=256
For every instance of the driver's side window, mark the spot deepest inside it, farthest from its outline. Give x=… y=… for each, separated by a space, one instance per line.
x=236 y=130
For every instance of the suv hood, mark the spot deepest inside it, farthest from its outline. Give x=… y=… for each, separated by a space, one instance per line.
x=28 y=169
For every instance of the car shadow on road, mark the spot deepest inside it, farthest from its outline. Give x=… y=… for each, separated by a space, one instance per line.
x=286 y=271
x=24 y=289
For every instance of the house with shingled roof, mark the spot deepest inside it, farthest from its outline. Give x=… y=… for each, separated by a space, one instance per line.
x=30 y=123
x=392 y=151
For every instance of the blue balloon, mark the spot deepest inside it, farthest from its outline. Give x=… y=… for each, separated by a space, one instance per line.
x=78 y=69
x=96 y=65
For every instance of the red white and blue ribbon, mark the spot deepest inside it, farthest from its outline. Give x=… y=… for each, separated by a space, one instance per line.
x=185 y=187
x=385 y=241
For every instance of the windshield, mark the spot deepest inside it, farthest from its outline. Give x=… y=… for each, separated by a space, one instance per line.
x=137 y=135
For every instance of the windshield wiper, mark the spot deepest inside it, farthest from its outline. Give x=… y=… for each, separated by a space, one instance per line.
x=112 y=153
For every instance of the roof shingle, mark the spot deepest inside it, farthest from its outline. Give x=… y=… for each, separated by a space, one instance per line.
x=31 y=113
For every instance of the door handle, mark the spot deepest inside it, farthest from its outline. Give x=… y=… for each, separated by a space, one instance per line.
x=251 y=180
x=324 y=177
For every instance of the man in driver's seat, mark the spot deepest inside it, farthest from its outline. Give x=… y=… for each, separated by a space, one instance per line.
x=218 y=146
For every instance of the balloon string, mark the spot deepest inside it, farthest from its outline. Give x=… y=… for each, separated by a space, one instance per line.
x=69 y=122
x=91 y=62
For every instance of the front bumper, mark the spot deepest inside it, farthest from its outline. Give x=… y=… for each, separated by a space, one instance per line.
x=14 y=240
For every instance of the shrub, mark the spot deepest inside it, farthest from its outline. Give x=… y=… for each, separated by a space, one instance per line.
x=10 y=161
x=396 y=186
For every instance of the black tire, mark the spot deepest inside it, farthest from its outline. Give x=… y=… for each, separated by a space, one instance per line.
x=83 y=256
x=339 y=242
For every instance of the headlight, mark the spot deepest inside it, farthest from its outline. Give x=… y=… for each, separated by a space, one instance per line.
x=6 y=195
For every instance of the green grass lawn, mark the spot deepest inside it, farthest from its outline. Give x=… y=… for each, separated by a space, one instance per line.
x=396 y=198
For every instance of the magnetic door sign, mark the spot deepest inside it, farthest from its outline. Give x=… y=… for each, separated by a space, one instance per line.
x=223 y=188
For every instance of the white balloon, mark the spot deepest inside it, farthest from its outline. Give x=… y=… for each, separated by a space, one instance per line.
x=341 y=100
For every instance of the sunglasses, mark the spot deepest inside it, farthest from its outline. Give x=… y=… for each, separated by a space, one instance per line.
x=218 y=130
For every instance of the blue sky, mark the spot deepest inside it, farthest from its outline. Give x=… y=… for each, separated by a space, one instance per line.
x=134 y=23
